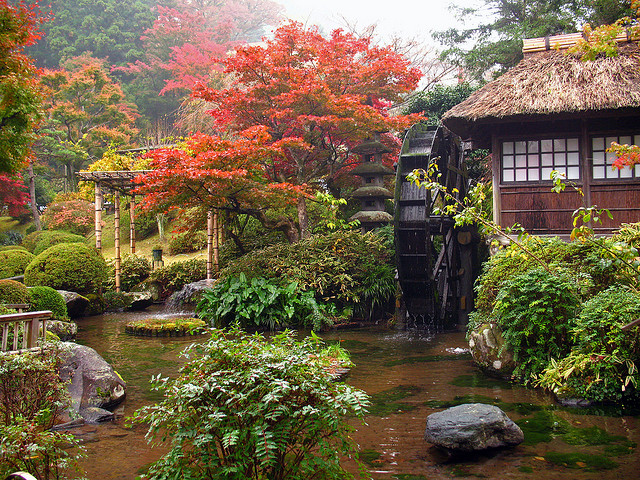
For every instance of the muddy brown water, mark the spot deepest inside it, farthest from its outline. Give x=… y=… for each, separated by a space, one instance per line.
x=409 y=375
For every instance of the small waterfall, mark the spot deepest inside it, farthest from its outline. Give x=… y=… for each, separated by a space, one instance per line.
x=187 y=296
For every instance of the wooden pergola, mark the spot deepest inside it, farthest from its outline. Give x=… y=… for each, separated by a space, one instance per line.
x=121 y=183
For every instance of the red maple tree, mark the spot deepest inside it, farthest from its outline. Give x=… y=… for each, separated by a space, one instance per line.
x=13 y=196
x=312 y=99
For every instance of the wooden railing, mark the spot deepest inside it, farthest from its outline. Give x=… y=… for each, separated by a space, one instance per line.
x=21 y=331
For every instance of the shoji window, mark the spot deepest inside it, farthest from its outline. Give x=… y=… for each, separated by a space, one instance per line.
x=603 y=160
x=534 y=160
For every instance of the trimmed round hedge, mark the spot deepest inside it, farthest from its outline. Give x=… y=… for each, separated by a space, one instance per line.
x=47 y=298
x=14 y=262
x=13 y=292
x=76 y=267
x=51 y=238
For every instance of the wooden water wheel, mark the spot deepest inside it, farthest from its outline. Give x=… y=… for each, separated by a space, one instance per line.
x=434 y=258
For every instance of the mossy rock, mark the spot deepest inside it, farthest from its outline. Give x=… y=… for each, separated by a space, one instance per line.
x=166 y=327
x=13 y=292
x=14 y=262
x=75 y=267
x=489 y=352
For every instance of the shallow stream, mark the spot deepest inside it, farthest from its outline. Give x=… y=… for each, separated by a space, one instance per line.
x=408 y=375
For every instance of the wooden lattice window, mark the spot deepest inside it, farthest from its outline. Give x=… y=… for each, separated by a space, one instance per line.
x=534 y=160
x=603 y=160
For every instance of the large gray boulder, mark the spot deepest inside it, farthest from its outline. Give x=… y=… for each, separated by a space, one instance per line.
x=471 y=427
x=93 y=382
x=489 y=352
x=139 y=300
x=76 y=303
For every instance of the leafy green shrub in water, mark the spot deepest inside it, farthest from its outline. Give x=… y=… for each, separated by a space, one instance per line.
x=603 y=365
x=46 y=298
x=14 y=262
x=51 y=238
x=176 y=275
x=13 y=292
x=244 y=407
x=187 y=242
x=76 y=267
x=536 y=311
x=134 y=269
x=346 y=268
x=31 y=394
x=260 y=303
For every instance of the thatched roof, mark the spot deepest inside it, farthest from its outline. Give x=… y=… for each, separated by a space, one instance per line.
x=549 y=83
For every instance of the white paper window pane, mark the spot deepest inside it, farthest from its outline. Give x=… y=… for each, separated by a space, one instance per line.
x=521 y=147
x=562 y=171
x=626 y=172
x=533 y=160
x=507 y=161
x=507 y=175
x=637 y=170
x=559 y=159
x=573 y=158
x=546 y=145
x=521 y=161
x=547 y=159
x=612 y=172
x=598 y=172
x=532 y=147
x=546 y=173
x=573 y=173
x=626 y=140
x=572 y=145
x=598 y=158
x=507 y=147
x=521 y=175
x=609 y=140
x=598 y=143
x=534 y=174
x=559 y=145
x=611 y=157
x=636 y=140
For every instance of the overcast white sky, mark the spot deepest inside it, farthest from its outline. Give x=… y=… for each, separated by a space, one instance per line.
x=405 y=18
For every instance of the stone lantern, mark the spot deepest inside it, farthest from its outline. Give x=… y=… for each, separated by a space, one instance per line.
x=372 y=194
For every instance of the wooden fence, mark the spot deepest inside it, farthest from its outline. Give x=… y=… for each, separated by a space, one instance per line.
x=21 y=331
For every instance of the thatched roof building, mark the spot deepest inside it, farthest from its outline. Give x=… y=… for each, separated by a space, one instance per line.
x=552 y=83
x=555 y=111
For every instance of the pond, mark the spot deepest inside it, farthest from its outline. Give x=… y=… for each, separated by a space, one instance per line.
x=409 y=375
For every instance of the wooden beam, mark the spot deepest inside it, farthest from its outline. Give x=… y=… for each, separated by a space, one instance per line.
x=216 y=243
x=132 y=225
x=210 y=230
x=117 y=238
x=98 y=217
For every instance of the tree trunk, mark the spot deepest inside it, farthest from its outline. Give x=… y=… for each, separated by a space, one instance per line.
x=303 y=218
x=32 y=195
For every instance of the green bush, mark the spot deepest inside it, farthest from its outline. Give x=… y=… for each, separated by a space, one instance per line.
x=13 y=292
x=260 y=303
x=604 y=364
x=73 y=216
x=345 y=268
x=31 y=395
x=187 y=242
x=10 y=238
x=134 y=269
x=115 y=301
x=244 y=408
x=14 y=262
x=46 y=298
x=50 y=238
x=29 y=242
x=13 y=247
x=176 y=275
x=96 y=304
x=76 y=267
x=536 y=311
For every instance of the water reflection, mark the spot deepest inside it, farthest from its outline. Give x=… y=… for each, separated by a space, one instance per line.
x=408 y=375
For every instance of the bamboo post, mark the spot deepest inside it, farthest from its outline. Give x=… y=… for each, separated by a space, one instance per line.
x=117 y=239
x=216 y=243
x=210 y=231
x=132 y=228
x=98 y=210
